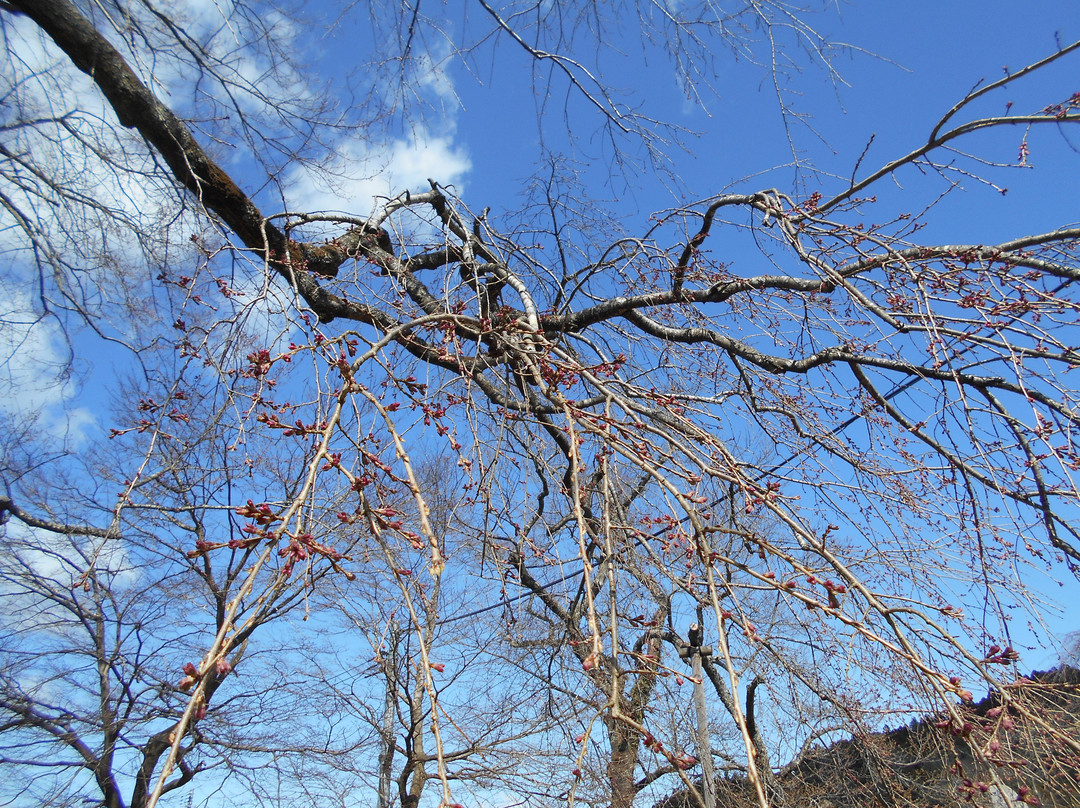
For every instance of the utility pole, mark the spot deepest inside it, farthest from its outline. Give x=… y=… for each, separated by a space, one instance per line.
x=389 y=664
x=696 y=652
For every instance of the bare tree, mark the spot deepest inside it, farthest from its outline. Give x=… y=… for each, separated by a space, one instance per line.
x=605 y=393
x=109 y=611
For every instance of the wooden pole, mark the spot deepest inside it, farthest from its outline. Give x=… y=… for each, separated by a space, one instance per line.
x=704 y=747
x=386 y=753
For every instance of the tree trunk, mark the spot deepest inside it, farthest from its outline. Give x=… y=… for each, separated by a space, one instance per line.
x=622 y=764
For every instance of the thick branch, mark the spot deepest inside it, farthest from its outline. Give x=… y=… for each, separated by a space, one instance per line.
x=30 y=715
x=137 y=108
x=8 y=507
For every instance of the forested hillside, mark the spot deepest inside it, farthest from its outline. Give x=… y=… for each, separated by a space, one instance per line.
x=930 y=762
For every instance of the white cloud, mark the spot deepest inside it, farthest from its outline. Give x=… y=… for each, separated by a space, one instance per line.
x=431 y=76
x=364 y=172
x=35 y=382
x=82 y=185
x=246 y=77
x=38 y=559
x=360 y=173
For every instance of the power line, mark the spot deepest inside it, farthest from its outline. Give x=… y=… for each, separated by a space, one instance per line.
x=718 y=501
x=897 y=390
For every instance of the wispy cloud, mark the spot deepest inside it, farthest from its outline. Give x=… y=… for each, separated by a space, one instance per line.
x=35 y=378
x=364 y=172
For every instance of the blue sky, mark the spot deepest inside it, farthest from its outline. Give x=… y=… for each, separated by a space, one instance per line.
x=480 y=132
x=909 y=63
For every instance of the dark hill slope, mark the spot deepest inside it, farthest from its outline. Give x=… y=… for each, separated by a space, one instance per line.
x=1030 y=754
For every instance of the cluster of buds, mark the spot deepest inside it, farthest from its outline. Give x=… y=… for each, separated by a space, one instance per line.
x=259 y=364
x=191 y=676
x=261 y=514
x=301 y=547
x=995 y=655
x=962 y=729
x=833 y=589
x=684 y=762
x=954 y=686
x=972 y=788
x=754 y=498
x=652 y=744
x=222 y=667
x=1005 y=722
